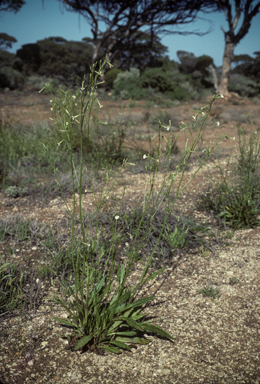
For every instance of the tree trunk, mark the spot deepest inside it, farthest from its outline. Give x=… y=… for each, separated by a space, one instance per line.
x=226 y=67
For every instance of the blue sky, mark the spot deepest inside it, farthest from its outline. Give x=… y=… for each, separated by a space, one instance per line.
x=36 y=22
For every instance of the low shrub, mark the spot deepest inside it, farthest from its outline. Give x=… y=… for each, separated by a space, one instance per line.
x=127 y=85
x=111 y=76
x=11 y=78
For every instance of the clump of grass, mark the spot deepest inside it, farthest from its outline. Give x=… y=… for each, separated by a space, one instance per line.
x=236 y=198
x=14 y=191
x=103 y=306
x=11 y=281
x=19 y=230
x=210 y=291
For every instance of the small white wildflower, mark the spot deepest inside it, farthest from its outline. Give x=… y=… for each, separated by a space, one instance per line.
x=168 y=127
x=51 y=109
x=37 y=281
x=222 y=97
x=67 y=123
x=82 y=88
x=256 y=132
x=202 y=113
x=51 y=101
x=233 y=138
x=116 y=217
x=218 y=123
x=73 y=97
x=144 y=157
x=182 y=122
x=194 y=117
x=100 y=106
x=86 y=190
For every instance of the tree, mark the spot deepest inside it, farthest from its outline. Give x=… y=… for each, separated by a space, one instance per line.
x=11 y=5
x=248 y=9
x=138 y=53
x=55 y=56
x=115 y=25
x=6 y=41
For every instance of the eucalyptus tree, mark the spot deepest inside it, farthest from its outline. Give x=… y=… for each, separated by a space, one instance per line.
x=239 y=15
x=117 y=24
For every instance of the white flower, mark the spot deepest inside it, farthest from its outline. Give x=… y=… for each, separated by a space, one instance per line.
x=73 y=97
x=218 y=123
x=202 y=113
x=168 y=127
x=116 y=217
x=144 y=157
x=194 y=117
x=51 y=101
x=67 y=123
x=222 y=97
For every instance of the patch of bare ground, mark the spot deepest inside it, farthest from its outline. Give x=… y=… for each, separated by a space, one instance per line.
x=215 y=341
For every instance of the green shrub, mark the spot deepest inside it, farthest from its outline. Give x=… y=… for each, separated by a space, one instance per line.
x=14 y=191
x=162 y=81
x=127 y=85
x=36 y=82
x=111 y=76
x=244 y=86
x=10 y=78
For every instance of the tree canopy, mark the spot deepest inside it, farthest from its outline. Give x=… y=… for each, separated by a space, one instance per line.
x=115 y=25
x=11 y=5
x=6 y=41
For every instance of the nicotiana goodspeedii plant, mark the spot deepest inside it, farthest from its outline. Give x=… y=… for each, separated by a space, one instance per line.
x=102 y=304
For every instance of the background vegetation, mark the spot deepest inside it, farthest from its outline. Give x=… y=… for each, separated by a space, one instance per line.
x=151 y=72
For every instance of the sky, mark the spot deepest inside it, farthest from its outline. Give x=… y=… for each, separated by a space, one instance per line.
x=37 y=21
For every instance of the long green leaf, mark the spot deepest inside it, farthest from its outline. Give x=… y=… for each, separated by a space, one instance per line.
x=65 y=322
x=133 y=323
x=109 y=349
x=120 y=273
x=135 y=340
x=85 y=339
x=126 y=333
x=140 y=340
x=157 y=330
x=123 y=298
x=153 y=275
x=115 y=325
x=97 y=317
x=99 y=285
x=120 y=344
x=139 y=302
